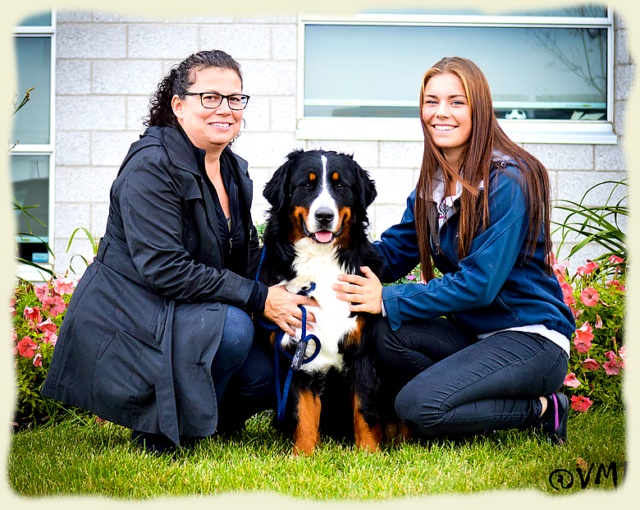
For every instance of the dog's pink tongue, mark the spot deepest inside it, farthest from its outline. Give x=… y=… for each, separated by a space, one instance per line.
x=324 y=236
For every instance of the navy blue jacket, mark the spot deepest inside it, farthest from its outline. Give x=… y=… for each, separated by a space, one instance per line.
x=492 y=288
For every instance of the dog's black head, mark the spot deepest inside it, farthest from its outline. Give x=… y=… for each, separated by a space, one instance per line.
x=320 y=195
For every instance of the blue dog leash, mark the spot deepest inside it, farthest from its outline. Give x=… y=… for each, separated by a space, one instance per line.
x=297 y=359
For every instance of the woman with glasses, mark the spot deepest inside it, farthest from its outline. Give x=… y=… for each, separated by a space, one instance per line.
x=483 y=345
x=158 y=336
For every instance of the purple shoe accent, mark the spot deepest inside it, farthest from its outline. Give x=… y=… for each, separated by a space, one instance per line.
x=556 y=414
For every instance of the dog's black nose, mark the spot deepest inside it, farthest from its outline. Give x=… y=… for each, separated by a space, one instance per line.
x=324 y=216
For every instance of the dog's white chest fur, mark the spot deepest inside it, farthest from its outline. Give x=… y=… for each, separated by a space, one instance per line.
x=318 y=263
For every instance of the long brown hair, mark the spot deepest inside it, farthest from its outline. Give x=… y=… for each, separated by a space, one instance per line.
x=486 y=137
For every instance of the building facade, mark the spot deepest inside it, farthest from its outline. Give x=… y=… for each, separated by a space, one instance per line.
x=105 y=66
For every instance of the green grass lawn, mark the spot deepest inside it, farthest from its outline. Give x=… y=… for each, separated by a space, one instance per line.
x=74 y=458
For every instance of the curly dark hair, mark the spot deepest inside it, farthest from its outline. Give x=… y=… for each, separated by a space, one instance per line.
x=179 y=79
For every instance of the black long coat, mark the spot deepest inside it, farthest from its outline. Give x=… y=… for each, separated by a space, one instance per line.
x=144 y=323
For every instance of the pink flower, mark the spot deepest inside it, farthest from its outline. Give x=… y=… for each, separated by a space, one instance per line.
x=48 y=326
x=42 y=291
x=589 y=296
x=567 y=293
x=622 y=352
x=32 y=314
x=614 y=259
x=12 y=305
x=560 y=269
x=27 y=347
x=580 y=404
x=582 y=340
x=411 y=277
x=588 y=268
x=612 y=367
x=37 y=360
x=590 y=364
x=54 y=304
x=598 y=323
x=64 y=285
x=617 y=285
x=572 y=381
x=50 y=338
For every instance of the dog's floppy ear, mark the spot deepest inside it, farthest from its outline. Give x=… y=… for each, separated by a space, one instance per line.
x=366 y=187
x=277 y=190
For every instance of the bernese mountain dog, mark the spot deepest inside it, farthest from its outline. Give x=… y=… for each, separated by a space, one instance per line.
x=316 y=229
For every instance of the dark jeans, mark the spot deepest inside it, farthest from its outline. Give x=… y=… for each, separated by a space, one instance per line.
x=450 y=383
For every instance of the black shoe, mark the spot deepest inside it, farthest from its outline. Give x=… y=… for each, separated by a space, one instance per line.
x=153 y=443
x=554 y=421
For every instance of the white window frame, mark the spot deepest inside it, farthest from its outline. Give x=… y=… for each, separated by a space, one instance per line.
x=401 y=129
x=25 y=149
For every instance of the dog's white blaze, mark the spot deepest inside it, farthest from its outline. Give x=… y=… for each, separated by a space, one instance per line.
x=324 y=199
x=318 y=263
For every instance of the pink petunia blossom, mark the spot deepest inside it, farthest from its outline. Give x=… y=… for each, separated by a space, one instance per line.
x=64 y=285
x=580 y=404
x=37 y=360
x=411 y=277
x=559 y=269
x=32 y=314
x=616 y=283
x=622 y=352
x=50 y=338
x=55 y=305
x=572 y=381
x=612 y=367
x=583 y=338
x=589 y=297
x=588 y=268
x=47 y=325
x=42 y=290
x=598 y=324
x=590 y=364
x=27 y=347
x=567 y=294
x=614 y=259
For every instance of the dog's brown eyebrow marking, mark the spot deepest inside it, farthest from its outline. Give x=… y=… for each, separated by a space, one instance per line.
x=312 y=176
x=335 y=176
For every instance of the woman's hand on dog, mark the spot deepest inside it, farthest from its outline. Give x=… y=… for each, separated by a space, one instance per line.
x=282 y=308
x=363 y=293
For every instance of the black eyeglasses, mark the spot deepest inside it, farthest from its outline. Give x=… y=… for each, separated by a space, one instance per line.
x=213 y=100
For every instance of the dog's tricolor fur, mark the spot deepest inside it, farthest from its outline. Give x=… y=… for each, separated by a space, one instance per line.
x=316 y=229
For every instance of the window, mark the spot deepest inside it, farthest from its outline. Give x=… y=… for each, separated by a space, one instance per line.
x=31 y=145
x=550 y=72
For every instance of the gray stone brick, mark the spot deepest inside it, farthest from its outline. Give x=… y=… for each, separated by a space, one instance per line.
x=240 y=41
x=393 y=184
x=625 y=79
x=283 y=113
x=90 y=41
x=73 y=148
x=365 y=153
x=563 y=157
x=284 y=42
x=83 y=184
x=125 y=76
x=610 y=157
x=73 y=77
x=162 y=41
x=266 y=149
x=573 y=186
x=270 y=78
x=401 y=154
x=88 y=113
x=109 y=148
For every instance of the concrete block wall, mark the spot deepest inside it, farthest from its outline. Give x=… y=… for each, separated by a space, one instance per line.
x=108 y=65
